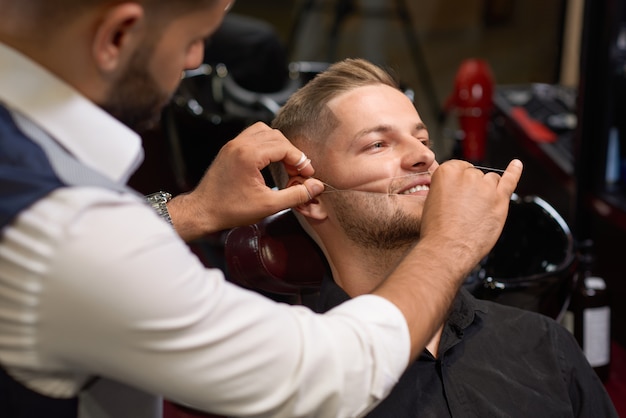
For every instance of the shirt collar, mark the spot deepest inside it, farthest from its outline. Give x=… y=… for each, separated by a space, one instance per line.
x=93 y=136
x=330 y=295
x=462 y=313
x=464 y=309
x=463 y=306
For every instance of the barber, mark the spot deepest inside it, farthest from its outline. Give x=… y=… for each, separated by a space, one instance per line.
x=101 y=301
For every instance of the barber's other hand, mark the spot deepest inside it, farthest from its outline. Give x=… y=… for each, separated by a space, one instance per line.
x=466 y=209
x=233 y=191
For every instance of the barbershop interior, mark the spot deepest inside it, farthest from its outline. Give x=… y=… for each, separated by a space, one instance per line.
x=542 y=81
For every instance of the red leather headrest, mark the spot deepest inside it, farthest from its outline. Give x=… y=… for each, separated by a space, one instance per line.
x=275 y=255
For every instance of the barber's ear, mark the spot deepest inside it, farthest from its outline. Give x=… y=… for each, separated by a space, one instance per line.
x=314 y=208
x=118 y=34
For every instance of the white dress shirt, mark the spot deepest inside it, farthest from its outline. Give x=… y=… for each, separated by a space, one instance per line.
x=94 y=283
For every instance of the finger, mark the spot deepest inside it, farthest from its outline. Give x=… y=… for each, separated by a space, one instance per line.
x=297 y=163
x=303 y=164
x=314 y=186
x=273 y=146
x=297 y=194
x=460 y=164
x=511 y=176
x=257 y=128
x=453 y=167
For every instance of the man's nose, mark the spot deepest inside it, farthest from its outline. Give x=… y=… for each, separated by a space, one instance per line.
x=195 y=56
x=418 y=155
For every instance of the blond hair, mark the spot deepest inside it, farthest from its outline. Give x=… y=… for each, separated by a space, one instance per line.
x=305 y=117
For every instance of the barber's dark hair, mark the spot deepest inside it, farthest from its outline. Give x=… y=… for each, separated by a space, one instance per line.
x=306 y=117
x=48 y=14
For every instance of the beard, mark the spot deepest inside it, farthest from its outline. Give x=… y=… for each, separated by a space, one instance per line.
x=370 y=221
x=136 y=99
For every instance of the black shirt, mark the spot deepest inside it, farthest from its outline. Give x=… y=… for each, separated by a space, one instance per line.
x=494 y=361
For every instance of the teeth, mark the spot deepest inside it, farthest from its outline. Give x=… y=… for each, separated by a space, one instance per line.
x=418 y=188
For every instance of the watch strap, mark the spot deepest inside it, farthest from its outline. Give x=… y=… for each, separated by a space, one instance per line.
x=158 y=201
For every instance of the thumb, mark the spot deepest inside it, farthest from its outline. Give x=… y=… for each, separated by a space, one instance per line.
x=314 y=186
x=299 y=193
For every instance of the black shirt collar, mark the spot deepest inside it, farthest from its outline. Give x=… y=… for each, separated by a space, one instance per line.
x=462 y=315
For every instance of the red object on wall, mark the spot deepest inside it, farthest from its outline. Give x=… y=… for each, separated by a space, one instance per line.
x=473 y=100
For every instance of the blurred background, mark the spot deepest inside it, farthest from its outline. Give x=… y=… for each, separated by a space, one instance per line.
x=522 y=40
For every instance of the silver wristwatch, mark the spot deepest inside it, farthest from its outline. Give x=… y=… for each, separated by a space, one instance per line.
x=159 y=202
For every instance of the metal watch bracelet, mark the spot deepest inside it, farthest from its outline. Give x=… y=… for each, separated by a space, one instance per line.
x=159 y=201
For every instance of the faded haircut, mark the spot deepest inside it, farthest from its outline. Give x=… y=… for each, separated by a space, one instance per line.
x=306 y=118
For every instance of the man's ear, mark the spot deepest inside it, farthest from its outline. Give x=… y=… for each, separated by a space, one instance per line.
x=117 y=36
x=313 y=209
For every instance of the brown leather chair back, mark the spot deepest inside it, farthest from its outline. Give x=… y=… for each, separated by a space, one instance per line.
x=275 y=256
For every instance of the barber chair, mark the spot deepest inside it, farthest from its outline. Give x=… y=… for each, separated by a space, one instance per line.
x=532 y=266
x=534 y=263
x=277 y=258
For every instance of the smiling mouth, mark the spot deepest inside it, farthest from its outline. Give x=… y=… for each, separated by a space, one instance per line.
x=418 y=188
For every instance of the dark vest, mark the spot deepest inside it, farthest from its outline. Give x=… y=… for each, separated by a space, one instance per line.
x=25 y=172
x=31 y=166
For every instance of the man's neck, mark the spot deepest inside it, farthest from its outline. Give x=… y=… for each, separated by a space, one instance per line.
x=359 y=272
x=433 y=345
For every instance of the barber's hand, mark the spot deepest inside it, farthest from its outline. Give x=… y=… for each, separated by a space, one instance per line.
x=233 y=191
x=467 y=209
x=462 y=219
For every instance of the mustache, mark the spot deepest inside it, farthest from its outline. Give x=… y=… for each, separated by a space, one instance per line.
x=387 y=180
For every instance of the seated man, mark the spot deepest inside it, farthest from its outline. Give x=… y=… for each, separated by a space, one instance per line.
x=371 y=148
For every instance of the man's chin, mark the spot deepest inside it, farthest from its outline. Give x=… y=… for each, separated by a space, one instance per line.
x=150 y=121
